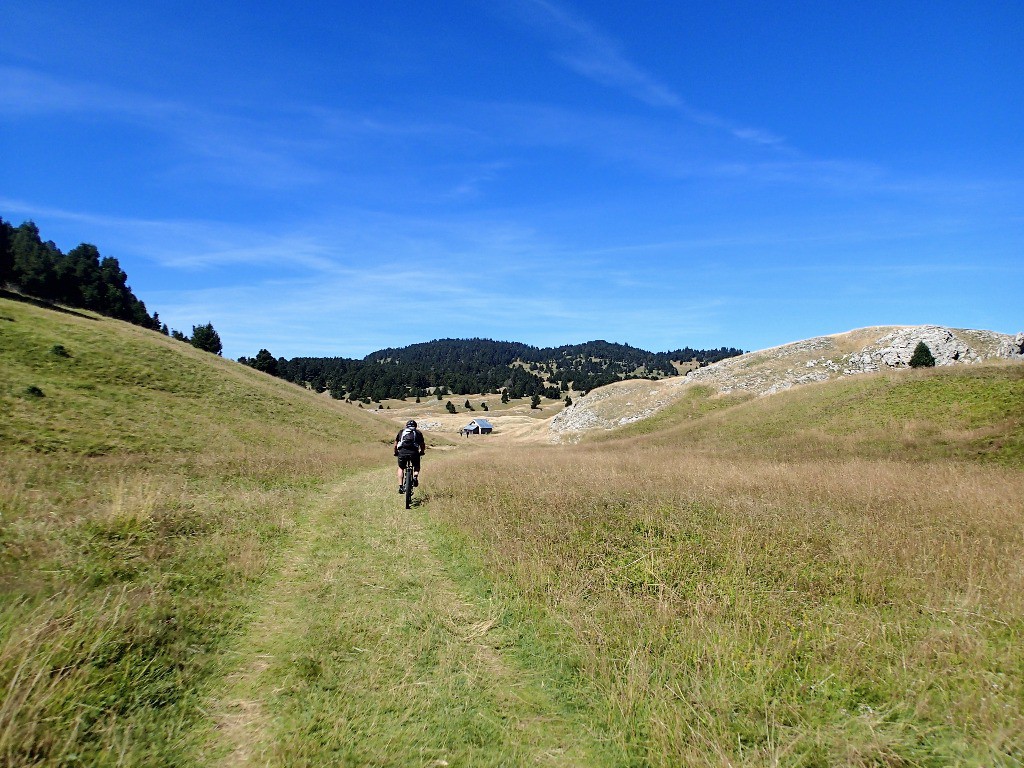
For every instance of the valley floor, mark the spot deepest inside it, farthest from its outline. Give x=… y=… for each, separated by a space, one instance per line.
x=363 y=650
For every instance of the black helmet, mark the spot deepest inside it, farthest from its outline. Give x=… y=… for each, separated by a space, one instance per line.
x=411 y=424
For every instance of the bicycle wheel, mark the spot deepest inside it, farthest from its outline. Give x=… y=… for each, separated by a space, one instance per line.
x=408 y=485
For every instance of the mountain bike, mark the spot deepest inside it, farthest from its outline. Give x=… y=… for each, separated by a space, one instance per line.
x=407 y=483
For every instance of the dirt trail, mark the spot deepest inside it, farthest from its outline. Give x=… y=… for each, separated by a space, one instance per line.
x=363 y=650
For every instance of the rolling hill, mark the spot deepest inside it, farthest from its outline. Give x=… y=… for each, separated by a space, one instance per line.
x=769 y=371
x=204 y=565
x=146 y=489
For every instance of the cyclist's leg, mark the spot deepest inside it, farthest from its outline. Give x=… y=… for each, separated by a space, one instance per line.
x=416 y=470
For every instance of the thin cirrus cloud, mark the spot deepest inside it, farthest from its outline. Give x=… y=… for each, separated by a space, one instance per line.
x=225 y=146
x=589 y=52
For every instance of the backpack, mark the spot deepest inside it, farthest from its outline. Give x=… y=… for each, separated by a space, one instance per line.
x=407 y=440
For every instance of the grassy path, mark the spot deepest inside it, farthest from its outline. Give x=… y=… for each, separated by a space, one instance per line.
x=364 y=652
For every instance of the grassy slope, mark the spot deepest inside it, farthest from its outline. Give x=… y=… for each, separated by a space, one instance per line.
x=203 y=565
x=964 y=413
x=829 y=576
x=833 y=575
x=143 y=497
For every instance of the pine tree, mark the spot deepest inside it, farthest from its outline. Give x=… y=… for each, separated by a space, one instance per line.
x=922 y=357
x=504 y=396
x=266 y=362
x=450 y=407
x=568 y=401
x=535 y=402
x=6 y=255
x=206 y=338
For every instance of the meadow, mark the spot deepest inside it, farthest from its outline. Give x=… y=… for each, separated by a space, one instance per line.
x=833 y=576
x=146 y=488
x=203 y=565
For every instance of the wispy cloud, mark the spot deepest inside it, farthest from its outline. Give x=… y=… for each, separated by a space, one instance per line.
x=30 y=92
x=589 y=52
x=227 y=146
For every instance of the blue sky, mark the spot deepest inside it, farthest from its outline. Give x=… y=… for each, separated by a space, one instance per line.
x=333 y=178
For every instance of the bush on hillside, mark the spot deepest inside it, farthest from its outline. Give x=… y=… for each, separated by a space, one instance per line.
x=204 y=337
x=264 y=361
x=922 y=357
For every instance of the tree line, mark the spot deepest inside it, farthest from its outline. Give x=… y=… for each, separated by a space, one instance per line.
x=83 y=279
x=468 y=366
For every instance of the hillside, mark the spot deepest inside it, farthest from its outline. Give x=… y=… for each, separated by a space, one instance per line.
x=204 y=565
x=474 y=366
x=146 y=488
x=830 y=575
x=765 y=372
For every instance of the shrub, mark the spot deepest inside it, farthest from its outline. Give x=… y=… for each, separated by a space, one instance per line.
x=922 y=357
x=33 y=391
x=206 y=338
x=58 y=350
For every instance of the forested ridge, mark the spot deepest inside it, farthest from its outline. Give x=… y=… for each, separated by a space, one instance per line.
x=80 y=278
x=84 y=279
x=470 y=366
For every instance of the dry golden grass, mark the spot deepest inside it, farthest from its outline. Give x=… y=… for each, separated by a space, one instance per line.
x=851 y=611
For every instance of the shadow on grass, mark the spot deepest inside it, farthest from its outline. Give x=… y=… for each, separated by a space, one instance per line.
x=4 y=294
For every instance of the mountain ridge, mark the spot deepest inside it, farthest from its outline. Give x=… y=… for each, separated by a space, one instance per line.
x=471 y=366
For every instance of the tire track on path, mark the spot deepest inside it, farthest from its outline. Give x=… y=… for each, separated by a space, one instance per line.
x=364 y=652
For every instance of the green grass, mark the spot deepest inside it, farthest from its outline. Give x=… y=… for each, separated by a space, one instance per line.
x=697 y=401
x=365 y=652
x=203 y=565
x=143 y=497
x=970 y=413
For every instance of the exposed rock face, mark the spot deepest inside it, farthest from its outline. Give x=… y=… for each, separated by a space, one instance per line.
x=616 y=405
x=773 y=370
x=874 y=349
x=895 y=349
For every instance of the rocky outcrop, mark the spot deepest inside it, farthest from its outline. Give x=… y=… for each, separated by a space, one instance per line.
x=873 y=349
x=780 y=368
x=895 y=349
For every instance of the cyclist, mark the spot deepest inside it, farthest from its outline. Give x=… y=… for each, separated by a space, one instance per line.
x=409 y=446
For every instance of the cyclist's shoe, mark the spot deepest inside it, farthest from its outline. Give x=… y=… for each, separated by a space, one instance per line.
x=401 y=489
x=415 y=482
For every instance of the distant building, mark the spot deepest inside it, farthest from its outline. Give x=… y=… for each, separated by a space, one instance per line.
x=478 y=427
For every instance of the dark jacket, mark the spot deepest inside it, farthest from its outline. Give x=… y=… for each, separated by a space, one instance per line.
x=421 y=444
